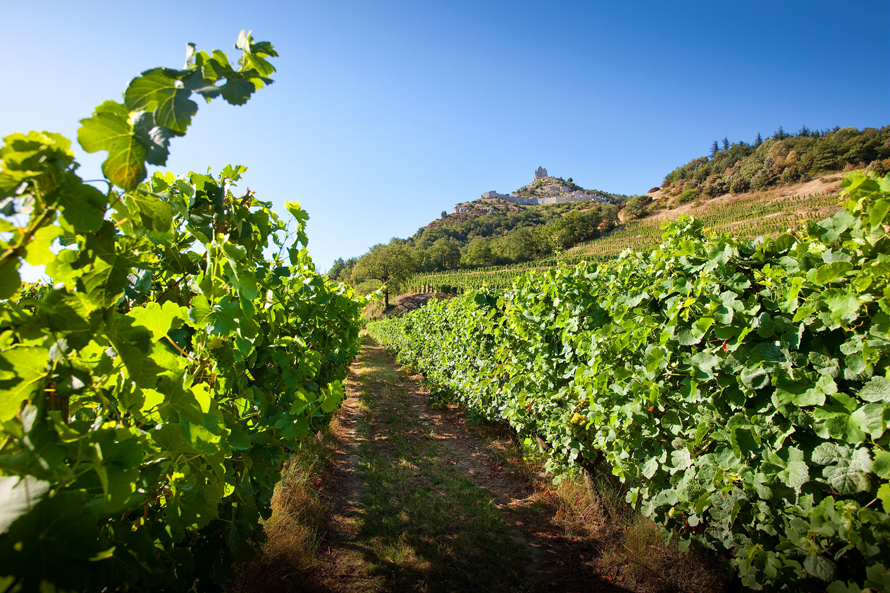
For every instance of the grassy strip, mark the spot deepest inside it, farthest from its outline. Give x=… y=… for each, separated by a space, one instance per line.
x=424 y=524
x=295 y=531
x=631 y=549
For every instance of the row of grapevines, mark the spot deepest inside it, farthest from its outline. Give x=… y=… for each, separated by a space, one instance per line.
x=149 y=397
x=750 y=217
x=495 y=277
x=739 y=388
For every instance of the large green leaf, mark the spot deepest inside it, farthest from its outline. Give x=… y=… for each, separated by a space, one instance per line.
x=870 y=419
x=53 y=542
x=237 y=89
x=846 y=478
x=158 y=319
x=754 y=378
x=820 y=567
x=22 y=371
x=83 y=206
x=881 y=464
x=106 y=282
x=796 y=472
x=876 y=390
x=164 y=95
x=18 y=495
x=10 y=280
x=155 y=214
x=109 y=129
x=842 y=304
x=220 y=318
x=828 y=273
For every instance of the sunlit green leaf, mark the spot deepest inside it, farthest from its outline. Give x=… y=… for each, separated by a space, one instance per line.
x=108 y=129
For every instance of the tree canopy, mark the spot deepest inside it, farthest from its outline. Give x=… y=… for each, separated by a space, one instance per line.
x=391 y=264
x=782 y=159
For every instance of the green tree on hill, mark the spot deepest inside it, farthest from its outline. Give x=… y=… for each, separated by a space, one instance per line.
x=444 y=254
x=479 y=253
x=784 y=158
x=636 y=206
x=390 y=264
x=337 y=268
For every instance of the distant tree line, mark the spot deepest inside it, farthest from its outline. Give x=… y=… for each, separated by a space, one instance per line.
x=782 y=159
x=496 y=238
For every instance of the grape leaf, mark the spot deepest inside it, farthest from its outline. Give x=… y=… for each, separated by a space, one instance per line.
x=158 y=319
x=108 y=129
x=9 y=279
x=869 y=419
x=18 y=495
x=820 y=567
x=881 y=464
x=164 y=95
x=22 y=370
x=884 y=496
x=841 y=303
x=876 y=390
x=220 y=318
x=83 y=206
x=828 y=273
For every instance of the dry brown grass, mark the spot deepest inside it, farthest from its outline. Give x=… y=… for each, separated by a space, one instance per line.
x=632 y=551
x=650 y=563
x=294 y=532
x=631 y=547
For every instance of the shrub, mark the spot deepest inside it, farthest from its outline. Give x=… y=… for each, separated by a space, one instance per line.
x=687 y=196
x=636 y=206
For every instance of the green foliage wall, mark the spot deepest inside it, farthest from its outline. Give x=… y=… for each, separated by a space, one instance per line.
x=740 y=389
x=149 y=396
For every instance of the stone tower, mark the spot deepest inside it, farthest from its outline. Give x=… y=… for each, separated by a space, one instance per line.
x=540 y=172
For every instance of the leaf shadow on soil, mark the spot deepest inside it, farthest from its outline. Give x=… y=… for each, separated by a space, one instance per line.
x=421 y=506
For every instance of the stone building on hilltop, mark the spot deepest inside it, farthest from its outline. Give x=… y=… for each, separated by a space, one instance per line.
x=555 y=193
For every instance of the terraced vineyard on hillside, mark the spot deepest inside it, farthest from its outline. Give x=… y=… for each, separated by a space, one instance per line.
x=745 y=216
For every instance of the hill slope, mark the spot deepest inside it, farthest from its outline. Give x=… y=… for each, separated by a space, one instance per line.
x=746 y=189
x=745 y=215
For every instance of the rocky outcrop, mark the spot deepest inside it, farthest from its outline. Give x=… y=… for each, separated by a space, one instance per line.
x=555 y=192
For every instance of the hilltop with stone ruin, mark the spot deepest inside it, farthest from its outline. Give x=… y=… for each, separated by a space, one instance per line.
x=544 y=190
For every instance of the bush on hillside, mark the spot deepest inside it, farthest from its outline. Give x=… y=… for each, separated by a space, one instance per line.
x=687 y=196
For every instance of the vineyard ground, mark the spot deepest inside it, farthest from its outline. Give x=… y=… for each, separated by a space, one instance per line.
x=420 y=498
x=825 y=183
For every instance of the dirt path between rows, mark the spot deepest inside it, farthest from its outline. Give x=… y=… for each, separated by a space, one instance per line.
x=421 y=505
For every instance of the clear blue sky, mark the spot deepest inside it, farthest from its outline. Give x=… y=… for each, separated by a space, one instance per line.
x=385 y=113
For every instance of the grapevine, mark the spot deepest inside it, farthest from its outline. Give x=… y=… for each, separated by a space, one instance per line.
x=149 y=396
x=739 y=388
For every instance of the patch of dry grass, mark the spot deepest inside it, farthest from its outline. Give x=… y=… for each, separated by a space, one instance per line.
x=632 y=546
x=294 y=532
x=648 y=562
x=632 y=550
